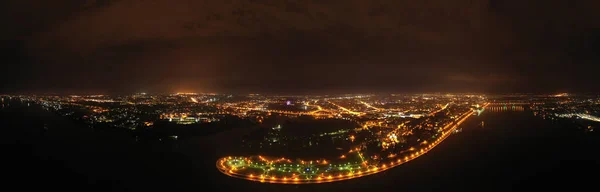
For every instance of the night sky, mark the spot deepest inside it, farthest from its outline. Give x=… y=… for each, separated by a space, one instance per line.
x=302 y=46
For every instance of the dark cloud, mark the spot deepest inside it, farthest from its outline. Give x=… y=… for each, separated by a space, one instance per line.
x=302 y=46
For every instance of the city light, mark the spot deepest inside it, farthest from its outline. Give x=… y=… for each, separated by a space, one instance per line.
x=373 y=137
x=351 y=174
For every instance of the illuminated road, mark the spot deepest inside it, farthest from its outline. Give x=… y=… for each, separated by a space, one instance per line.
x=280 y=170
x=319 y=112
x=311 y=113
x=345 y=109
x=319 y=109
x=370 y=106
x=441 y=109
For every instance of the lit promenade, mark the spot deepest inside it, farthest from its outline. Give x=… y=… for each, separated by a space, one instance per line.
x=286 y=171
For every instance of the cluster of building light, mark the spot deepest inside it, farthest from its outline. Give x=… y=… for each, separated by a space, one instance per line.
x=240 y=167
x=580 y=115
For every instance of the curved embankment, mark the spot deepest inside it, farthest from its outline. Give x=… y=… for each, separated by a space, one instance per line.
x=285 y=171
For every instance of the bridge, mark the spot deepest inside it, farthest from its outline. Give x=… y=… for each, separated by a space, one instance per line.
x=499 y=108
x=516 y=103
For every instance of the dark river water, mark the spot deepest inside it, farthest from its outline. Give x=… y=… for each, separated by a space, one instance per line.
x=513 y=151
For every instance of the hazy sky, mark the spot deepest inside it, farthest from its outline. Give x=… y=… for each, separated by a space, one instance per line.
x=300 y=46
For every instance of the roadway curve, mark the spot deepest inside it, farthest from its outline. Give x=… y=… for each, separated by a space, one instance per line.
x=224 y=167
